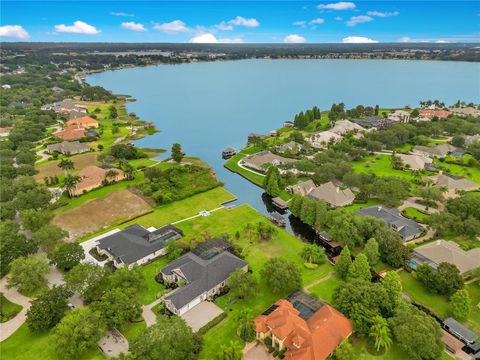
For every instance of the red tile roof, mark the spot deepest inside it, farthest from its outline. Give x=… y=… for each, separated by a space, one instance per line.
x=85 y=121
x=71 y=132
x=314 y=339
x=430 y=113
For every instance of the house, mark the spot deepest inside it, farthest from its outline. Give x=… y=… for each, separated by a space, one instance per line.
x=400 y=116
x=85 y=122
x=415 y=162
x=440 y=251
x=228 y=153
x=440 y=150
x=453 y=182
x=406 y=228
x=288 y=124
x=468 y=111
x=303 y=327
x=431 y=113
x=321 y=139
x=303 y=188
x=57 y=89
x=345 y=126
x=70 y=133
x=290 y=147
x=277 y=219
x=93 y=177
x=18 y=105
x=200 y=274
x=68 y=147
x=66 y=106
x=452 y=344
x=262 y=160
x=470 y=139
x=371 y=122
x=332 y=194
x=136 y=245
x=279 y=203
x=4 y=132
x=6 y=86
x=468 y=337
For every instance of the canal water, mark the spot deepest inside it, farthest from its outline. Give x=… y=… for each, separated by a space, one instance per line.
x=209 y=106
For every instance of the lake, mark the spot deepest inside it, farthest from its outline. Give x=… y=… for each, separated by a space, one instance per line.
x=209 y=106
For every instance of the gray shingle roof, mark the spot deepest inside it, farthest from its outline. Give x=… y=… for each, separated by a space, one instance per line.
x=201 y=275
x=458 y=329
x=406 y=228
x=135 y=242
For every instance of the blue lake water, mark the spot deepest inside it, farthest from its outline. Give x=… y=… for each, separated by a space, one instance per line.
x=207 y=107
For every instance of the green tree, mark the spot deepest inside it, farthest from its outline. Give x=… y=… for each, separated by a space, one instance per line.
x=13 y=244
x=78 y=332
x=48 y=309
x=177 y=153
x=118 y=307
x=416 y=333
x=87 y=279
x=49 y=236
x=34 y=219
x=67 y=255
x=169 y=339
x=281 y=275
x=231 y=351
x=380 y=332
x=69 y=183
x=344 y=351
x=113 y=111
x=343 y=263
x=393 y=286
x=28 y=274
x=66 y=165
x=391 y=190
x=128 y=279
x=308 y=211
x=313 y=254
x=243 y=285
x=460 y=304
x=246 y=328
x=295 y=205
x=371 y=251
x=271 y=181
x=360 y=269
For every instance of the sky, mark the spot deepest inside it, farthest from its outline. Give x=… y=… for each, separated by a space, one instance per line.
x=240 y=21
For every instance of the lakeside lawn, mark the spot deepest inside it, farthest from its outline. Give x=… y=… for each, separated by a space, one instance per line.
x=8 y=309
x=257 y=253
x=380 y=165
x=232 y=165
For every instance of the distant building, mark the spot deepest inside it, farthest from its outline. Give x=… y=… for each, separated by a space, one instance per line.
x=303 y=188
x=70 y=133
x=415 y=162
x=440 y=150
x=4 y=132
x=343 y=127
x=431 y=113
x=68 y=147
x=288 y=124
x=291 y=147
x=85 y=122
x=370 y=122
x=93 y=177
x=332 y=194
x=467 y=336
x=6 y=86
x=406 y=228
x=321 y=139
x=200 y=274
x=470 y=139
x=452 y=182
x=439 y=251
x=261 y=160
x=466 y=111
x=136 y=245
x=303 y=327
x=401 y=116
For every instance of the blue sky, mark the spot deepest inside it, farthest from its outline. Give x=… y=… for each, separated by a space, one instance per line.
x=241 y=21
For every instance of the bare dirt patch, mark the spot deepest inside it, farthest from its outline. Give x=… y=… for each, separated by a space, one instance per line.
x=79 y=161
x=102 y=212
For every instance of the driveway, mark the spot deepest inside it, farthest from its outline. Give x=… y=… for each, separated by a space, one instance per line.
x=113 y=344
x=258 y=352
x=201 y=315
x=9 y=327
x=90 y=244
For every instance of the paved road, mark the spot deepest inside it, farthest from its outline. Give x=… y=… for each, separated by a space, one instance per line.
x=411 y=202
x=9 y=327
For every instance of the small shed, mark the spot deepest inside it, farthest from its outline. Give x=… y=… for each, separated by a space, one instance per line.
x=277 y=219
x=280 y=203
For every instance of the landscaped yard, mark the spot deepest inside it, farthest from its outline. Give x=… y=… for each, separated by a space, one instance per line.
x=152 y=289
x=380 y=165
x=257 y=253
x=8 y=310
x=232 y=164
x=415 y=214
x=471 y=173
x=324 y=290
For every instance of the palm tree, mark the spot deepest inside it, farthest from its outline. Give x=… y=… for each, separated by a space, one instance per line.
x=70 y=182
x=65 y=165
x=111 y=174
x=127 y=168
x=232 y=351
x=381 y=333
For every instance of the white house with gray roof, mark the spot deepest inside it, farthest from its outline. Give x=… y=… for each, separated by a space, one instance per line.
x=406 y=228
x=136 y=245
x=200 y=275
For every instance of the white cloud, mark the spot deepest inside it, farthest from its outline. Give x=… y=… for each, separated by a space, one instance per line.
x=317 y=21
x=172 y=27
x=294 y=39
x=361 y=19
x=121 y=14
x=241 y=21
x=301 y=23
x=358 y=40
x=405 y=39
x=238 y=21
x=441 y=41
x=342 y=5
x=14 y=32
x=209 y=38
x=382 y=14
x=338 y=18
x=130 y=25
x=78 y=27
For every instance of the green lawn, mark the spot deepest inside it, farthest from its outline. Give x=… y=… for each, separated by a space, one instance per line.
x=8 y=309
x=472 y=173
x=152 y=289
x=474 y=321
x=232 y=164
x=257 y=253
x=357 y=206
x=24 y=345
x=380 y=165
x=324 y=290
x=415 y=214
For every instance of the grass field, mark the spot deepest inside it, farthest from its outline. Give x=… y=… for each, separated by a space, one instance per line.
x=324 y=290
x=472 y=173
x=80 y=161
x=380 y=165
x=415 y=214
x=257 y=253
x=232 y=165
x=152 y=289
x=8 y=309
